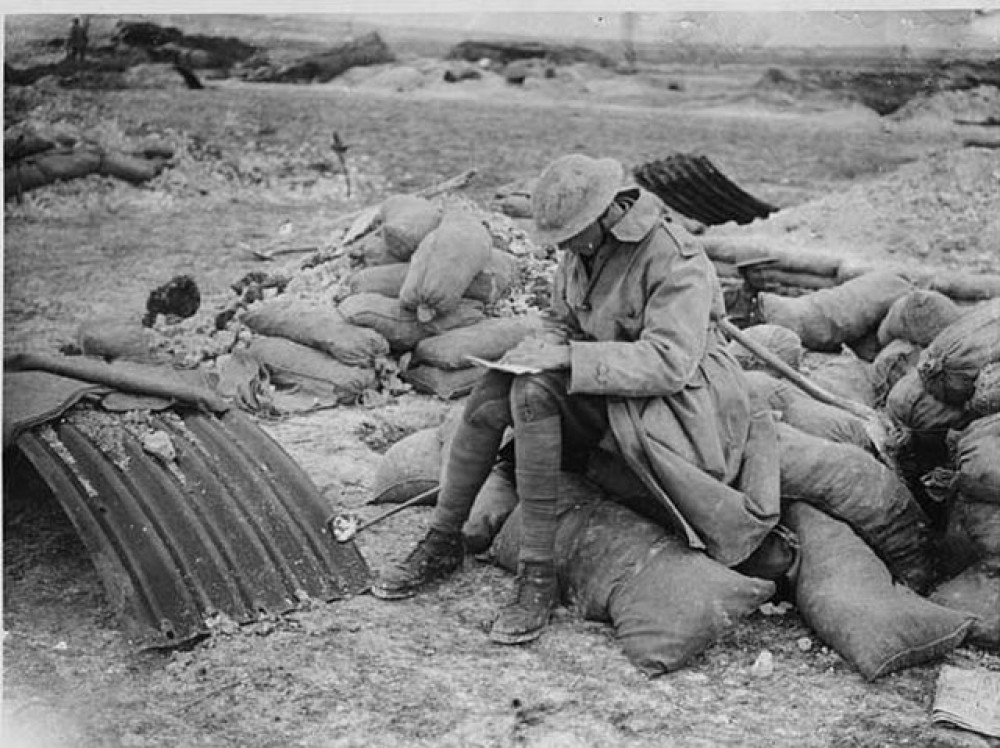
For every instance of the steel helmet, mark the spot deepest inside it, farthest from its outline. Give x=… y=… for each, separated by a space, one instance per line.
x=572 y=193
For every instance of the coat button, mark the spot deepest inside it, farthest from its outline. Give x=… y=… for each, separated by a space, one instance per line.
x=601 y=373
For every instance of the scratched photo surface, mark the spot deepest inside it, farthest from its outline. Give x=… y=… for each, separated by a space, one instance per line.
x=213 y=195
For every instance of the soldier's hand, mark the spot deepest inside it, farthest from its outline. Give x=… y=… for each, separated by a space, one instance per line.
x=539 y=354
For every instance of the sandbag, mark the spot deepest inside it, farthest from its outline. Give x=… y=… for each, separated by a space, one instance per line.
x=951 y=363
x=444 y=265
x=890 y=365
x=851 y=485
x=130 y=168
x=494 y=503
x=985 y=398
x=113 y=338
x=68 y=164
x=399 y=326
x=515 y=206
x=416 y=463
x=576 y=498
x=446 y=384
x=976 y=590
x=954 y=547
x=409 y=467
x=406 y=220
x=319 y=327
x=918 y=317
x=980 y=521
x=977 y=458
x=804 y=412
x=678 y=603
x=386 y=280
x=845 y=374
x=502 y=271
x=847 y=596
x=489 y=339
x=830 y=317
x=910 y=405
x=488 y=286
x=371 y=251
x=780 y=341
x=292 y=364
x=666 y=601
x=867 y=347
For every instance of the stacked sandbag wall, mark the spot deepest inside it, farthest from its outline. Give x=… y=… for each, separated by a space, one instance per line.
x=428 y=278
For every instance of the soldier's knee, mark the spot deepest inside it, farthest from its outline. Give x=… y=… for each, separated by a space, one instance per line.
x=489 y=404
x=533 y=398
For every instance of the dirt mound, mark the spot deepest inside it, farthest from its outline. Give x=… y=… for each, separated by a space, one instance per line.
x=400 y=79
x=153 y=75
x=169 y=44
x=779 y=87
x=975 y=104
x=778 y=79
x=943 y=209
x=505 y=53
x=369 y=49
x=886 y=88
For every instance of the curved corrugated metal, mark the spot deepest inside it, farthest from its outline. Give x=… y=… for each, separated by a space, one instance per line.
x=233 y=526
x=693 y=186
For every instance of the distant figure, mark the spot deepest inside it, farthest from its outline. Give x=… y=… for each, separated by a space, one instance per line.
x=77 y=44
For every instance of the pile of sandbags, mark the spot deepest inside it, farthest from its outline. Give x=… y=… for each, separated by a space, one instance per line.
x=311 y=349
x=666 y=601
x=72 y=163
x=418 y=292
x=859 y=528
x=935 y=380
x=829 y=318
x=429 y=276
x=875 y=539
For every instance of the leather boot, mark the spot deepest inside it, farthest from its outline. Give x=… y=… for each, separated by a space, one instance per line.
x=436 y=556
x=523 y=619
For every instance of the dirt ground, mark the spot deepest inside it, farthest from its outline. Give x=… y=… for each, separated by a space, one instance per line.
x=420 y=672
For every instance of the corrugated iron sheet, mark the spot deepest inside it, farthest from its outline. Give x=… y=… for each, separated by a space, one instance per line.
x=232 y=526
x=693 y=186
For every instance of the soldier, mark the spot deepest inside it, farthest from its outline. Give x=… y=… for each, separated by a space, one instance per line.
x=636 y=364
x=77 y=43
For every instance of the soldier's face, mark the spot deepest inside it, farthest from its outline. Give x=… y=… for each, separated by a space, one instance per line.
x=586 y=242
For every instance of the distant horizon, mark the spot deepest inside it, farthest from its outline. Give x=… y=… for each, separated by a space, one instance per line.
x=735 y=29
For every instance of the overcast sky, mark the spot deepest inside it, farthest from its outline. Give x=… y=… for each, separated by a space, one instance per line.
x=915 y=28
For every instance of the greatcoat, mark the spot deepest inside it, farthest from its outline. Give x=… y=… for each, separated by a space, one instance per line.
x=645 y=336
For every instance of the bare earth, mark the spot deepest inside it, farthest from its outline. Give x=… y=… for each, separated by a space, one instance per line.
x=419 y=672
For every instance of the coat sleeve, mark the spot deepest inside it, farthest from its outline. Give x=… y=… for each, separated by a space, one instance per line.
x=678 y=287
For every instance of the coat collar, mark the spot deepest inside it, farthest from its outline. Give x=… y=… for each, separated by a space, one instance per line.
x=644 y=213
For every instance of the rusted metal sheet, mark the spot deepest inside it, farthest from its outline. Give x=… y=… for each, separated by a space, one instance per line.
x=223 y=523
x=693 y=186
